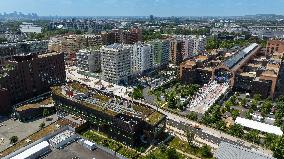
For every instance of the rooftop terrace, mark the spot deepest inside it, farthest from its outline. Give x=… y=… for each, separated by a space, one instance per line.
x=106 y=103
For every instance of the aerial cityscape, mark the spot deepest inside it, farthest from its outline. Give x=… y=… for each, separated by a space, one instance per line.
x=141 y=79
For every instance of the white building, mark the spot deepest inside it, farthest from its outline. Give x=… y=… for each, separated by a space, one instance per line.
x=116 y=63
x=62 y=139
x=89 y=60
x=30 y=28
x=141 y=58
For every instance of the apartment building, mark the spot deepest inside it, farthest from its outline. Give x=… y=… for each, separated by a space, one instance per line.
x=89 y=60
x=141 y=58
x=186 y=46
x=161 y=52
x=116 y=62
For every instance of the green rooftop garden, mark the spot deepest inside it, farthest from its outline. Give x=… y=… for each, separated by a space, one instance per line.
x=155 y=117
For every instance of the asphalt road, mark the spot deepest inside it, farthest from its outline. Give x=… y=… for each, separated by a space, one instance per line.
x=203 y=135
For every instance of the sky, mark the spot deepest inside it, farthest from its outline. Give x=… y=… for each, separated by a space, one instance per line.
x=144 y=7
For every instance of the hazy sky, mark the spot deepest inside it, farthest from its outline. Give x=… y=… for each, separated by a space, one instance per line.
x=143 y=7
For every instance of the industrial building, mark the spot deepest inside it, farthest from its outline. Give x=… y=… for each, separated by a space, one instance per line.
x=126 y=121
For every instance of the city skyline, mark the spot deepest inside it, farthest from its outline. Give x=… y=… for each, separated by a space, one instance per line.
x=144 y=7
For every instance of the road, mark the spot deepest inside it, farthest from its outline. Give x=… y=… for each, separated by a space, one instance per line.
x=205 y=132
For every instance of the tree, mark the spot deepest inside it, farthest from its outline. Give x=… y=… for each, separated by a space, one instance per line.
x=248 y=115
x=45 y=113
x=253 y=136
x=266 y=108
x=163 y=148
x=235 y=113
x=172 y=101
x=172 y=153
x=243 y=102
x=137 y=93
x=14 y=139
x=253 y=105
x=190 y=137
x=206 y=151
x=278 y=147
x=233 y=100
x=257 y=97
x=192 y=116
x=42 y=125
x=236 y=130
x=269 y=139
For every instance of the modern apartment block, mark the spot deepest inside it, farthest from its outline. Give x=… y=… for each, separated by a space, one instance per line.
x=89 y=60
x=161 y=52
x=28 y=76
x=141 y=58
x=7 y=51
x=186 y=46
x=122 y=36
x=116 y=62
x=123 y=120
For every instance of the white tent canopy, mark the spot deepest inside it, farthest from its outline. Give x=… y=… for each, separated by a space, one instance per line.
x=259 y=126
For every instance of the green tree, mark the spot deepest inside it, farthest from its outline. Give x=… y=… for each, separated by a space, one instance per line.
x=14 y=139
x=138 y=93
x=248 y=115
x=192 y=116
x=243 y=102
x=190 y=137
x=45 y=112
x=266 y=108
x=42 y=125
x=253 y=136
x=257 y=97
x=172 y=153
x=172 y=101
x=206 y=151
x=278 y=147
x=236 y=130
x=235 y=114
x=254 y=105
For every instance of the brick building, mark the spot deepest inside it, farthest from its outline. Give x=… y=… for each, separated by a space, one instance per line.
x=30 y=75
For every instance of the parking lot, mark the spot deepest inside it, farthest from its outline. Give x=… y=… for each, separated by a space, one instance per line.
x=75 y=150
x=10 y=127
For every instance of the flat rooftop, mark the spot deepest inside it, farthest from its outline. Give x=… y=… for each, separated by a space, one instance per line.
x=77 y=150
x=231 y=151
x=43 y=103
x=106 y=104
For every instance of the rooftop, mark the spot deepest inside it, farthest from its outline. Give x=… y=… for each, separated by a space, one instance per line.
x=259 y=126
x=42 y=103
x=231 y=151
x=106 y=104
x=236 y=58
